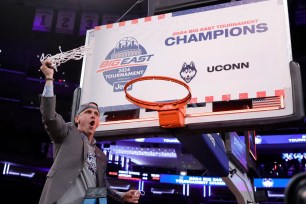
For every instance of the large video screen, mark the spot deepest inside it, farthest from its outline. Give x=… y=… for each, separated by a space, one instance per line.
x=236 y=149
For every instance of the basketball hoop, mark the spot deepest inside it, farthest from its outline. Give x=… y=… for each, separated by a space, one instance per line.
x=171 y=113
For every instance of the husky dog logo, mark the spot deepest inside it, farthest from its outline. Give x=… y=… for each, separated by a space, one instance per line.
x=188 y=72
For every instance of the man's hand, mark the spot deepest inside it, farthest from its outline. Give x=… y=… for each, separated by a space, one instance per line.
x=47 y=68
x=131 y=196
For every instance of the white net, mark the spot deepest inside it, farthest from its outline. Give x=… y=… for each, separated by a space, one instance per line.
x=62 y=57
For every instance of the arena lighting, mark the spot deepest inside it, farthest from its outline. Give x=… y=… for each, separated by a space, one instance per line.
x=187 y=186
x=12 y=71
x=14 y=170
x=125 y=187
x=110 y=157
x=140 y=185
x=116 y=159
x=127 y=161
x=6 y=168
x=122 y=161
x=272 y=194
x=204 y=192
x=9 y=99
x=186 y=192
x=162 y=191
x=291 y=156
x=138 y=151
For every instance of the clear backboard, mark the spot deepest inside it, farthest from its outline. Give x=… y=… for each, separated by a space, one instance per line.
x=235 y=57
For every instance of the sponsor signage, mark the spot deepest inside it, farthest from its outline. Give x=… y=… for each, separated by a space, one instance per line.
x=177 y=179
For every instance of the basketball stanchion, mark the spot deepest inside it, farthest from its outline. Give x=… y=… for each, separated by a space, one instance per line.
x=171 y=113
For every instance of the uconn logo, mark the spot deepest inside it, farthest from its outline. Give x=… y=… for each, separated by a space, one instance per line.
x=229 y=67
x=188 y=72
x=268 y=182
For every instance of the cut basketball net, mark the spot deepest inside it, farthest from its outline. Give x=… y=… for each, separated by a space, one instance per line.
x=171 y=113
x=62 y=57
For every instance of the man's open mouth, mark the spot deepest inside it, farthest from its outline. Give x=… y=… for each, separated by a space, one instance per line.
x=92 y=123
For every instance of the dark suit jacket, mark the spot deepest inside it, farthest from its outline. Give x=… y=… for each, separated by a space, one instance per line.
x=69 y=155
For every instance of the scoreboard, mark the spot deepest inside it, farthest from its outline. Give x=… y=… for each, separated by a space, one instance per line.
x=134 y=175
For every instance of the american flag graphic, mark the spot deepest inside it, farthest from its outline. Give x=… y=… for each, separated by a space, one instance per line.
x=267 y=102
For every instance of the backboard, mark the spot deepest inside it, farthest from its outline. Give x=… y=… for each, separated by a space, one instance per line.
x=235 y=57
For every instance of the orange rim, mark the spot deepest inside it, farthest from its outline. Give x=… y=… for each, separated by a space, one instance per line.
x=158 y=105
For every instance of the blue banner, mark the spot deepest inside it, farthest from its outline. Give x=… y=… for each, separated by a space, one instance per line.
x=178 y=179
x=271 y=182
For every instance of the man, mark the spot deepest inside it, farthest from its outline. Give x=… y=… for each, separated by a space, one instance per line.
x=78 y=164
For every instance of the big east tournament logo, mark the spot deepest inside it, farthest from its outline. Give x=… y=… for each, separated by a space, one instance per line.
x=127 y=61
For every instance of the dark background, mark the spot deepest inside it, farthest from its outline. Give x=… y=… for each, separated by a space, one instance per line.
x=23 y=139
